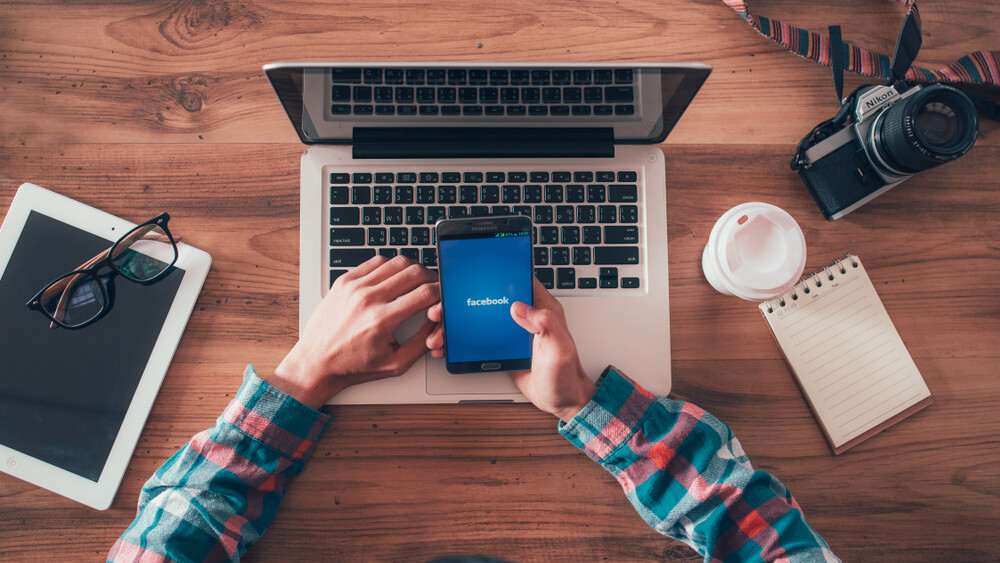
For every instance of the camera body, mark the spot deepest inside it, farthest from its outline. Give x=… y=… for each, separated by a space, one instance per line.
x=882 y=136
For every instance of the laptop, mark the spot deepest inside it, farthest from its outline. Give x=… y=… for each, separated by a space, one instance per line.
x=393 y=148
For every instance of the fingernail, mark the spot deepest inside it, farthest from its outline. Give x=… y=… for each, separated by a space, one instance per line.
x=520 y=310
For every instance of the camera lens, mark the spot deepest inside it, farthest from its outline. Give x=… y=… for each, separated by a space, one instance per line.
x=933 y=126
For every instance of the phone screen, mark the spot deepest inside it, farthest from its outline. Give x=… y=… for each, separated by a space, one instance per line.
x=482 y=274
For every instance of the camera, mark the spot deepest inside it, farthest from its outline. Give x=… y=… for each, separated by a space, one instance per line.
x=882 y=136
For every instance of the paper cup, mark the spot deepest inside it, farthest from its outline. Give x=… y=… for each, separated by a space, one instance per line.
x=756 y=251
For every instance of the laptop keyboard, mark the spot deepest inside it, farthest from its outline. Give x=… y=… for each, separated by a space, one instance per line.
x=460 y=92
x=586 y=223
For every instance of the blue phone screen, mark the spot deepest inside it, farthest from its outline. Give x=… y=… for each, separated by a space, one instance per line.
x=480 y=279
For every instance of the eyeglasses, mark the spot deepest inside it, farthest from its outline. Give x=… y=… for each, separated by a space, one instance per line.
x=82 y=296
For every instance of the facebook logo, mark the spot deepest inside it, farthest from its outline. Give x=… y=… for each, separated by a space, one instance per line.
x=480 y=279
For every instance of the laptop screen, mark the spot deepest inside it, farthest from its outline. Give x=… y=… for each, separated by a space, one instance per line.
x=328 y=103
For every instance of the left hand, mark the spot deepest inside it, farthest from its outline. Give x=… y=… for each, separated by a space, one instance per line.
x=349 y=339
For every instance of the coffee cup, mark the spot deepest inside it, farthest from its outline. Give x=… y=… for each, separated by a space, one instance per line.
x=756 y=251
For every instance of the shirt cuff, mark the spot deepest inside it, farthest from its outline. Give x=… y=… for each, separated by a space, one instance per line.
x=610 y=418
x=274 y=418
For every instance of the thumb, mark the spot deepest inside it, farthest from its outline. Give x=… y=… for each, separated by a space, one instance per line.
x=527 y=317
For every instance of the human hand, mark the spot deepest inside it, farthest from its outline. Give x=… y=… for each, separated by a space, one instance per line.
x=349 y=338
x=556 y=382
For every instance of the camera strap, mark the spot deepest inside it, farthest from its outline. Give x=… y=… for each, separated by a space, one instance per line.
x=981 y=67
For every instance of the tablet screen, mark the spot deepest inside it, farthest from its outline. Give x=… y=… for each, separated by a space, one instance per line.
x=64 y=393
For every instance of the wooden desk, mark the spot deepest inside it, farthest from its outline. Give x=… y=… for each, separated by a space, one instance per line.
x=159 y=106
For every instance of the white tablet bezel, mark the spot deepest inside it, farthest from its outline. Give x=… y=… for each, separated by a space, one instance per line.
x=193 y=261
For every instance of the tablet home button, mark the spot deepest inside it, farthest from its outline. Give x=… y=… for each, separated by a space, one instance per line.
x=490 y=366
x=12 y=463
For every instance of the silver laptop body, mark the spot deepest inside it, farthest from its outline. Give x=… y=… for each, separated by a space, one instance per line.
x=395 y=147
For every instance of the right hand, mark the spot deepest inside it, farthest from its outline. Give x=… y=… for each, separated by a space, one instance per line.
x=556 y=382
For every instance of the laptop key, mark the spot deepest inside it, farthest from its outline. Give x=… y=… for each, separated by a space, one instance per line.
x=517 y=177
x=519 y=77
x=414 y=76
x=361 y=195
x=618 y=94
x=538 y=110
x=384 y=177
x=494 y=110
x=341 y=94
x=541 y=256
x=510 y=95
x=488 y=95
x=436 y=76
x=404 y=194
x=543 y=214
x=570 y=235
x=334 y=274
x=425 y=194
x=583 y=176
x=628 y=214
x=392 y=215
x=345 y=215
x=425 y=95
x=603 y=76
x=500 y=210
x=560 y=77
x=498 y=77
x=544 y=275
x=572 y=95
x=446 y=194
x=435 y=213
x=446 y=95
x=451 y=110
x=363 y=109
x=383 y=94
x=363 y=94
x=625 y=110
x=412 y=253
x=623 y=76
x=388 y=252
x=340 y=195
x=548 y=235
x=540 y=77
x=349 y=257
x=340 y=178
x=595 y=193
x=346 y=75
x=347 y=236
x=467 y=95
x=479 y=210
x=516 y=110
x=457 y=212
x=565 y=278
x=420 y=236
x=428 y=110
x=575 y=193
x=630 y=283
x=473 y=177
x=382 y=194
x=559 y=110
x=581 y=76
x=562 y=177
x=496 y=177
x=456 y=76
x=608 y=277
x=404 y=95
x=553 y=193
x=586 y=283
x=340 y=109
x=605 y=176
x=429 y=257
x=552 y=95
x=376 y=236
x=511 y=193
x=393 y=76
x=581 y=255
x=523 y=210
x=618 y=193
x=581 y=110
x=628 y=176
x=531 y=95
x=372 y=216
x=415 y=216
x=361 y=178
x=604 y=110
x=565 y=214
x=539 y=176
x=607 y=214
x=406 y=110
x=593 y=95
x=560 y=256
x=616 y=255
x=621 y=235
x=489 y=193
x=586 y=214
x=372 y=75
x=469 y=194
x=591 y=235
x=477 y=76
x=399 y=236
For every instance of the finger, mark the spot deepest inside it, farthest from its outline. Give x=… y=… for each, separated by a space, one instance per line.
x=435 y=312
x=404 y=281
x=541 y=296
x=406 y=305
x=533 y=319
x=435 y=341
x=387 y=270
x=366 y=267
x=411 y=350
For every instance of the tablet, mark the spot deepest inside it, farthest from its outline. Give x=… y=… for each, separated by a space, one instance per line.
x=73 y=402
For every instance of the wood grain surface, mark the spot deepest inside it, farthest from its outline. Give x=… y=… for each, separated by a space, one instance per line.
x=142 y=107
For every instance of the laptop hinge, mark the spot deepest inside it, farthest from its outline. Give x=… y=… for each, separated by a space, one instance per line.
x=483 y=142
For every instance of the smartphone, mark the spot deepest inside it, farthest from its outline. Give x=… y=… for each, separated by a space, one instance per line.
x=485 y=265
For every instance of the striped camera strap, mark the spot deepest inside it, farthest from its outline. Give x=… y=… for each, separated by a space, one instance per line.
x=981 y=67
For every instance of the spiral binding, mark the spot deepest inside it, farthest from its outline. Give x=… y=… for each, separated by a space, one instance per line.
x=828 y=272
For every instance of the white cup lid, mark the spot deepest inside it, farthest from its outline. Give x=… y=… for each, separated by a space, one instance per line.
x=761 y=249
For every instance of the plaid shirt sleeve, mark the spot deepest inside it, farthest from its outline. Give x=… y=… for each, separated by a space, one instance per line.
x=217 y=495
x=687 y=476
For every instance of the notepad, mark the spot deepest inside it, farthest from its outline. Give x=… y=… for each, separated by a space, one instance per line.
x=845 y=353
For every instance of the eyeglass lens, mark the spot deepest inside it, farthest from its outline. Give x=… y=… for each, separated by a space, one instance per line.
x=144 y=253
x=74 y=299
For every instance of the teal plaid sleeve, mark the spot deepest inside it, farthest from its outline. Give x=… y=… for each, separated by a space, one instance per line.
x=686 y=474
x=218 y=494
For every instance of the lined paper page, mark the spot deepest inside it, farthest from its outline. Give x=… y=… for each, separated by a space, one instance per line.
x=845 y=352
